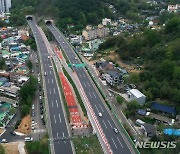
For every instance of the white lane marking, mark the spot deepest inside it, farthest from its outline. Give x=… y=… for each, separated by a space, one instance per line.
x=104 y=124
x=54 y=119
x=96 y=108
x=101 y=107
x=84 y=84
x=56 y=103
x=52 y=80
x=54 y=91
x=50 y=91
x=48 y=81
x=119 y=142
x=90 y=95
x=50 y=71
x=60 y=118
x=109 y=123
x=63 y=134
x=94 y=94
x=57 y=134
x=52 y=103
x=114 y=143
x=88 y=84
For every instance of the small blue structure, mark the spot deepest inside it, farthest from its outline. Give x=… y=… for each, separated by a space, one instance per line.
x=169 y=131
x=141 y=112
x=164 y=108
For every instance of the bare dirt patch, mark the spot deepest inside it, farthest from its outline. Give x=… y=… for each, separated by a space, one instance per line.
x=1 y=130
x=25 y=125
x=11 y=148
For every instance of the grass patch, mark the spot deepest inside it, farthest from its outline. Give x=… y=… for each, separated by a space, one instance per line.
x=87 y=145
x=62 y=92
x=76 y=91
x=38 y=147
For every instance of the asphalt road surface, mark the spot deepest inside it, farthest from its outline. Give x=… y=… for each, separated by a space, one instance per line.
x=59 y=132
x=117 y=142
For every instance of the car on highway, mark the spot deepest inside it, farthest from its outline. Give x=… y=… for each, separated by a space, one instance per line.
x=3 y=141
x=115 y=130
x=75 y=58
x=28 y=139
x=63 y=42
x=45 y=74
x=100 y=114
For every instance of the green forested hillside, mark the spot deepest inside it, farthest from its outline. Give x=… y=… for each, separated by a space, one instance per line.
x=159 y=54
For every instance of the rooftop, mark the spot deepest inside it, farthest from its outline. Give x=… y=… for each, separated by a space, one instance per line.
x=136 y=93
x=163 y=108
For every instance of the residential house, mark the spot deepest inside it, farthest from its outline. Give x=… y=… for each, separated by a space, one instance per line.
x=149 y=130
x=103 y=65
x=135 y=94
x=106 y=21
x=11 y=91
x=75 y=39
x=173 y=8
x=95 y=32
x=113 y=78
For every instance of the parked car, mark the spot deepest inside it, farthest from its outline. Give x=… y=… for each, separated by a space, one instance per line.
x=3 y=141
x=33 y=107
x=28 y=139
x=33 y=114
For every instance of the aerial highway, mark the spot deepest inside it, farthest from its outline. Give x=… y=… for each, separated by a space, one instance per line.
x=57 y=124
x=117 y=140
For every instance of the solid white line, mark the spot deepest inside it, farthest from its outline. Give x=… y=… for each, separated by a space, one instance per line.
x=104 y=124
x=56 y=103
x=54 y=119
x=54 y=91
x=114 y=143
x=109 y=123
x=96 y=108
x=119 y=142
x=60 y=118
x=101 y=108
x=90 y=95
x=94 y=94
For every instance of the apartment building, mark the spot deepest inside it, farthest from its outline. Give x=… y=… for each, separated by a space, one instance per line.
x=5 y=6
x=95 y=32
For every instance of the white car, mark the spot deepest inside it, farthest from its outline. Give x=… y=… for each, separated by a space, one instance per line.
x=115 y=130
x=3 y=141
x=75 y=58
x=40 y=97
x=33 y=107
x=28 y=139
x=100 y=114
x=45 y=74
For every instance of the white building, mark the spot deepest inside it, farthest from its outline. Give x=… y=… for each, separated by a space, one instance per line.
x=135 y=94
x=106 y=21
x=173 y=8
x=5 y=6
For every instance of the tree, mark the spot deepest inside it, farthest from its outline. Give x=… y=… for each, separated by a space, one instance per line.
x=25 y=110
x=119 y=99
x=173 y=25
x=29 y=64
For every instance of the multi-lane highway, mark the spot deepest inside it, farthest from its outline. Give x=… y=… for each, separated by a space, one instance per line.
x=117 y=141
x=57 y=123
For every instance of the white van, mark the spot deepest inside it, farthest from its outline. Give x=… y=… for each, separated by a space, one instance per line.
x=139 y=122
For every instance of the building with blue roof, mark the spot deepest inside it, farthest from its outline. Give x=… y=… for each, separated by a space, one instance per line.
x=164 y=108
